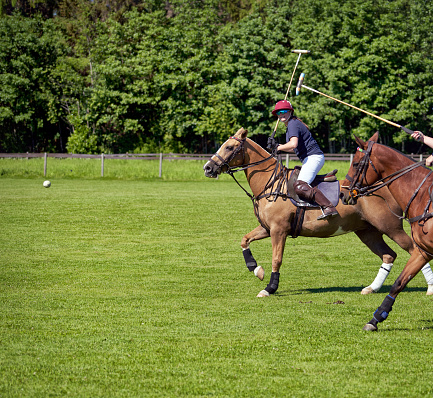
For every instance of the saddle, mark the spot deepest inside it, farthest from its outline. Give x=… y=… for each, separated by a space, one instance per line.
x=327 y=183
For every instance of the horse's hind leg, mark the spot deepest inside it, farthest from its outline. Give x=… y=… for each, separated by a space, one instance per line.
x=373 y=239
x=256 y=234
x=413 y=266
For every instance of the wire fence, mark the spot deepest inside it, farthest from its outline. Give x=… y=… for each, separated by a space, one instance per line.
x=166 y=156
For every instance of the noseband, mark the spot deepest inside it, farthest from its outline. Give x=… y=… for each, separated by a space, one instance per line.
x=226 y=162
x=355 y=188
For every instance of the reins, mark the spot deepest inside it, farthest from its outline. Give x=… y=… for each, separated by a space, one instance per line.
x=356 y=191
x=234 y=169
x=369 y=189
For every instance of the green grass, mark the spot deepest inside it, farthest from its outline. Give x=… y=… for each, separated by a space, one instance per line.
x=135 y=288
x=174 y=170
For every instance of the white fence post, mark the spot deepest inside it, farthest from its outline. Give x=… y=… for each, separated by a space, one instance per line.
x=160 y=165
x=102 y=165
x=351 y=158
x=45 y=164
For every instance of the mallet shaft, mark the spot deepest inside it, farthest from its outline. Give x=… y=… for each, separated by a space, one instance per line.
x=300 y=52
x=293 y=74
x=359 y=109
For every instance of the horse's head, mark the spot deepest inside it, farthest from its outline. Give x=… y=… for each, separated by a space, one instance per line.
x=359 y=174
x=231 y=154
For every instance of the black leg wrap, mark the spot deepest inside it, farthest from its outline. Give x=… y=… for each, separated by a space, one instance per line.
x=273 y=284
x=385 y=308
x=249 y=260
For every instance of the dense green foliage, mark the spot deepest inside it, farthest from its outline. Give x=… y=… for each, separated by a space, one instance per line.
x=146 y=76
x=139 y=289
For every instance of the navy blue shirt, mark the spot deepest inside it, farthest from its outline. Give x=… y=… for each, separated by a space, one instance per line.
x=307 y=145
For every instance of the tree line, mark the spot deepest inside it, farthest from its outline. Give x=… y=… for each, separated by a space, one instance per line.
x=86 y=76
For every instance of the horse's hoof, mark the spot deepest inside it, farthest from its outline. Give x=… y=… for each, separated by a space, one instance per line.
x=263 y=293
x=370 y=328
x=429 y=290
x=367 y=290
x=260 y=272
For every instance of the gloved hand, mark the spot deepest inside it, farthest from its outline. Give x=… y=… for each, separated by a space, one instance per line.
x=272 y=144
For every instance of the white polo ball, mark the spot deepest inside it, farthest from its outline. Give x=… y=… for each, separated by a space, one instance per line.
x=47 y=184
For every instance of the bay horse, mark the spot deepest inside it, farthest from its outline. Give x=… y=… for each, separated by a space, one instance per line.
x=410 y=183
x=370 y=218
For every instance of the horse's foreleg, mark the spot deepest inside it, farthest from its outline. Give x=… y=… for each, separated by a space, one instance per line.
x=413 y=266
x=405 y=242
x=278 y=243
x=256 y=234
x=373 y=239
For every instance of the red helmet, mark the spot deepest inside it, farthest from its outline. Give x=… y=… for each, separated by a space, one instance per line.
x=280 y=105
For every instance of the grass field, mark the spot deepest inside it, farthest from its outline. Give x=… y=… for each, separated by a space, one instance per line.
x=175 y=170
x=136 y=288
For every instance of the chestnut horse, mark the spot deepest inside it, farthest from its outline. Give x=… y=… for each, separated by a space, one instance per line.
x=410 y=184
x=370 y=218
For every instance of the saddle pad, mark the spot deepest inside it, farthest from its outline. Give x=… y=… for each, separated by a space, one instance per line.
x=330 y=189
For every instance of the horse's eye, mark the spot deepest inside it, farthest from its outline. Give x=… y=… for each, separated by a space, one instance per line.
x=229 y=148
x=355 y=164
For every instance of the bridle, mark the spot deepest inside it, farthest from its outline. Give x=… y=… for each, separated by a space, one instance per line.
x=230 y=170
x=356 y=190
x=226 y=162
x=278 y=178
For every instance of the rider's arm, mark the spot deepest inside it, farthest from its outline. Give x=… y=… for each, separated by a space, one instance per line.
x=418 y=136
x=289 y=146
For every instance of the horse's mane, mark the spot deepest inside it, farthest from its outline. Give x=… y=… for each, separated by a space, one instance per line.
x=399 y=152
x=258 y=145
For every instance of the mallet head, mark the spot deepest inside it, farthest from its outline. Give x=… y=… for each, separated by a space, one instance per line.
x=299 y=85
x=301 y=51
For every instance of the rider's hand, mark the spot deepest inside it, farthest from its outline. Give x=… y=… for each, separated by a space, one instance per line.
x=272 y=144
x=429 y=161
x=418 y=136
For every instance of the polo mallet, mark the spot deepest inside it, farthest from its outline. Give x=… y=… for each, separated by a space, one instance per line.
x=300 y=52
x=298 y=90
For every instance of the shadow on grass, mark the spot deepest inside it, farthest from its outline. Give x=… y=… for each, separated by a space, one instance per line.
x=348 y=289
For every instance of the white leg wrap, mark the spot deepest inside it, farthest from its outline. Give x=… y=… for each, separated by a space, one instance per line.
x=428 y=274
x=381 y=276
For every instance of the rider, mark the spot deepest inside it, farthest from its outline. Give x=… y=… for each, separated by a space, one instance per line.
x=418 y=136
x=300 y=140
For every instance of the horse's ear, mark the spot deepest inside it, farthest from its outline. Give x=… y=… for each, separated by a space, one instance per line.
x=360 y=143
x=241 y=133
x=375 y=137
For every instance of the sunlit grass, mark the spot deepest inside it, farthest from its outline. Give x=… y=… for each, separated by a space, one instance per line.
x=139 y=289
x=172 y=170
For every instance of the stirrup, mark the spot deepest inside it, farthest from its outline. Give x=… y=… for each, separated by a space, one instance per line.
x=324 y=216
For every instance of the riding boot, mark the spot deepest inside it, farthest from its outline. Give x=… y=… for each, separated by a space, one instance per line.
x=306 y=192
x=327 y=207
